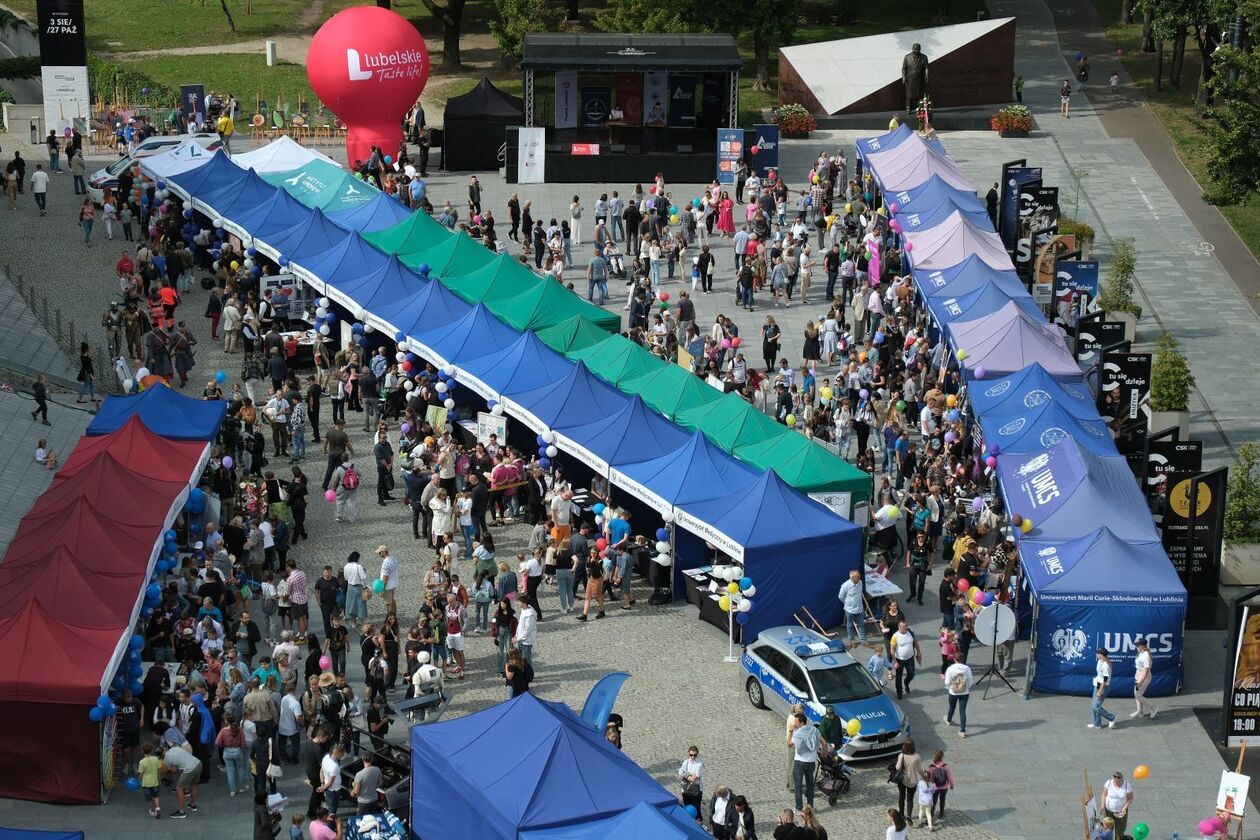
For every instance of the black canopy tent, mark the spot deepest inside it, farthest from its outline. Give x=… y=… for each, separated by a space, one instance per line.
x=474 y=126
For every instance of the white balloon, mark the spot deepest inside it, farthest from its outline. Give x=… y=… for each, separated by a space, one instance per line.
x=359 y=313
x=216 y=222
x=552 y=452
x=497 y=410
x=216 y=265
x=320 y=312
x=549 y=436
x=745 y=605
x=668 y=516
x=599 y=519
x=368 y=328
x=441 y=387
x=662 y=547
x=719 y=572
x=449 y=370
x=750 y=591
x=128 y=384
x=663 y=559
x=400 y=357
x=449 y=403
x=408 y=384
x=324 y=330
x=734 y=573
x=324 y=302
x=249 y=262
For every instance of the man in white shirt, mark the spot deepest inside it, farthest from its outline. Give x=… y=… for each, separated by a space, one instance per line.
x=356 y=579
x=389 y=572
x=526 y=631
x=958 y=682
x=330 y=777
x=291 y=723
x=1142 y=680
x=39 y=187
x=906 y=654
x=533 y=579
x=269 y=543
x=854 y=607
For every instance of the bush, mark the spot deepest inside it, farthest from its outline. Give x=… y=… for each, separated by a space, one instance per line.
x=1012 y=118
x=513 y=18
x=1171 y=379
x=1117 y=290
x=793 y=120
x=1242 y=498
x=1082 y=231
x=109 y=81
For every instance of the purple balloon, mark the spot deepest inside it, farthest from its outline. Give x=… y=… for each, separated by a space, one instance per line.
x=227 y=461
x=994 y=449
x=977 y=504
x=949 y=437
x=980 y=373
x=864 y=393
x=406 y=428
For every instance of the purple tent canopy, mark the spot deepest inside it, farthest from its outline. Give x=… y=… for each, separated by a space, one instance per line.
x=954 y=240
x=911 y=163
x=1010 y=339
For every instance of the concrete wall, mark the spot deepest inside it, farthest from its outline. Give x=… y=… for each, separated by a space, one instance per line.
x=17 y=119
x=21 y=40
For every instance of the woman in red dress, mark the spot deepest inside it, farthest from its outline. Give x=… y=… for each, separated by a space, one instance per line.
x=726 y=217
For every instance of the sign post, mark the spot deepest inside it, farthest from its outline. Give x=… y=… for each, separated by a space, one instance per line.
x=63 y=66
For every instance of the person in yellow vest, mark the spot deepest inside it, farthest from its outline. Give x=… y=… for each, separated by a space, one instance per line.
x=226 y=128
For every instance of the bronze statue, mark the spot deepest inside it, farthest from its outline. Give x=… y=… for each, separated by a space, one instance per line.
x=914 y=74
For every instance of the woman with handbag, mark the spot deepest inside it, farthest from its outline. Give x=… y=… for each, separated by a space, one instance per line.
x=906 y=772
x=691 y=778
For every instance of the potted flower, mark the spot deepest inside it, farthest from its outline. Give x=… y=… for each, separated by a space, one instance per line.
x=1171 y=384
x=1240 y=556
x=793 y=120
x=1012 y=121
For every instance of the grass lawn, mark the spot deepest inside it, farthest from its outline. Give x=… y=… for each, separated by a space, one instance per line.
x=246 y=76
x=1175 y=109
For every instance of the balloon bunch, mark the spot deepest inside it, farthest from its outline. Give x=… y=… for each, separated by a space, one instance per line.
x=547 y=450
x=664 y=551
x=324 y=318
x=739 y=591
x=446 y=386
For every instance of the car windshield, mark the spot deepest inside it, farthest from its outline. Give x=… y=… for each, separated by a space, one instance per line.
x=119 y=165
x=844 y=684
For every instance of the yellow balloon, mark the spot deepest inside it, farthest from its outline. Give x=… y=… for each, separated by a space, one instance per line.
x=962 y=354
x=881 y=211
x=853 y=726
x=790 y=419
x=826 y=393
x=894 y=512
x=235 y=265
x=732 y=587
x=1026 y=525
x=673 y=219
x=848 y=208
x=725 y=603
x=951 y=400
x=973 y=592
x=815 y=179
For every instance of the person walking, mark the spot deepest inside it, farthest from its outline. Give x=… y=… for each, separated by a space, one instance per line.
x=1065 y=97
x=78 y=168
x=958 y=682
x=54 y=151
x=39 y=188
x=909 y=767
x=1102 y=680
x=906 y=654
x=942 y=781
x=575 y=221
x=804 y=742
x=40 y=391
x=87 y=218
x=1142 y=681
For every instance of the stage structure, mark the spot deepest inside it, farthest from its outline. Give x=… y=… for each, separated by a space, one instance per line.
x=622 y=107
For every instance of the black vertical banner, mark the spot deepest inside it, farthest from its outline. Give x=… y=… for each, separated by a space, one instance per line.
x=1124 y=398
x=1038 y=220
x=1165 y=456
x=713 y=101
x=1192 y=535
x=682 y=100
x=62 y=35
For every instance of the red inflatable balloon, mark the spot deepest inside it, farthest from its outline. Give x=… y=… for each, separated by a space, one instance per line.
x=368 y=65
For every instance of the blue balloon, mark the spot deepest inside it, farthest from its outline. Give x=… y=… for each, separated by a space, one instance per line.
x=332 y=319
x=542 y=441
x=220 y=376
x=744 y=583
x=154 y=592
x=161 y=185
x=197 y=494
x=357 y=329
x=662 y=534
x=424 y=268
x=103 y=702
x=96 y=714
x=187 y=214
x=545 y=463
x=691 y=810
x=741 y=617
x=284 y=261
x=137 y=642
x=119 y=683
x=132 y=783
x=251 y=251
x=599 y=508
x=255 y=271
x=171 y=536
x=953 y=415
x=400 y=336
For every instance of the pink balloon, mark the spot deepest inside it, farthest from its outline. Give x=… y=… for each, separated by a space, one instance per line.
x=325 y=662
x=991 y=461
x=726 y=344
x=330 y=495
x=894 y=207
x=909 y=247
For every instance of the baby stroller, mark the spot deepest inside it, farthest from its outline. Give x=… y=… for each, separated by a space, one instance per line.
x=833 y=777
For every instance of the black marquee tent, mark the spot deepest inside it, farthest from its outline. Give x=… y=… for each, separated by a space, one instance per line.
x=474 y=127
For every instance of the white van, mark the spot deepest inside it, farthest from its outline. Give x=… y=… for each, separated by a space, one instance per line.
x=107 y=178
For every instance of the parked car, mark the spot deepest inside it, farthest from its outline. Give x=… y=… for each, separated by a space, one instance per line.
x=107 y=178
x=394 y=761
x=788 y=665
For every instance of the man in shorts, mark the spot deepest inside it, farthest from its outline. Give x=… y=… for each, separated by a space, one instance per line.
x=129 y=716
x=150 y=772
x=455 y=633
x=187 y=767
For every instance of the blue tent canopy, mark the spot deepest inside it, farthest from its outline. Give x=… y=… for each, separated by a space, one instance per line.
x=279 y=213
x=967 y=276
x=891 y=140
x=780 y=535
x=986 y=300
x=472 y=336
x=640 y=822
x=1027 y=388
x=632 y=434
x=305 y=239
x=390 y=282
x=520 y=766
x=239 y=195
x=431 y=307
x=163 y=412
x=1086 y=588
x=523 y=366
x=931 y=193
x=1042 y=426
x=1066 y=491
x=694 y=472
x=381 y=212
x=32 y=834
x=211 y=175
x=350 y=258
x=577 y=399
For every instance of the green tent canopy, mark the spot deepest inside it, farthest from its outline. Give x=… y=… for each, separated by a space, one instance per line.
x=456 y=255
x=671 y=389
x=617 y=359
x=500 y=278
x=731 y=422
x=806 y=466
x=545 y=303
x=414 y=233
x=572 y=335
x=324 y=185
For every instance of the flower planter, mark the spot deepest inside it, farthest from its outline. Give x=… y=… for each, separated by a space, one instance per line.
x=1129 y=320
x=1240 y=564
x=1013 y=132
x=1161 y=420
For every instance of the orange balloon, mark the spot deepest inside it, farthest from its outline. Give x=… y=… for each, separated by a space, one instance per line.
x=1141 y=771
x=951 y=400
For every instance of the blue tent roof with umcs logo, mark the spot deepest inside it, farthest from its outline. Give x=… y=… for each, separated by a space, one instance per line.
x=1102 y=565
x=1029 y=387
x=1034 y=429
x=967 y=276
x=985 y=300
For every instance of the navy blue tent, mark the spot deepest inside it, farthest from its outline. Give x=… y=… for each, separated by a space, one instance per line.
x=32 y=834
x=391 y=282
x=781 y=538
x=1042 y=426
x=346 y=260
x=247 y=193
x=523 y=366
x=1083 y=590
x=304 y=240
x=641 y=822
x=967 y=276
x=986 y=300
x=431 y=307
x=891 y=140
x=279 y=213
x=1066 y=491
x=212 y=175
x=693 y=472
x=381 y=212
x=931 y=203
x=474 y=335
x=634 y=433
x=163 y=412
x=521 y=766
x=577 y=399
x=1028 y=388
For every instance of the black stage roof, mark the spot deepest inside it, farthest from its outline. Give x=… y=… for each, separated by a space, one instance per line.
x=623 y=51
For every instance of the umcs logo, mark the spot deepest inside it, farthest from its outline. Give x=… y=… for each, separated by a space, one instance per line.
x=1069 y=643
x=1122 y=643
x=1051 y=561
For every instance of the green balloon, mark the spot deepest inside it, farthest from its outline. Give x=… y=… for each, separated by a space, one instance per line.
x=901 y=405
x=1141 y=831
x=378 y=586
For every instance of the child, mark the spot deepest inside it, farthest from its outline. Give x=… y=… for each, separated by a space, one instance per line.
x=44 y=456
x=924 y=792
x=880 y=666
x=295 y=830
x=949 y=648
x=149 y=770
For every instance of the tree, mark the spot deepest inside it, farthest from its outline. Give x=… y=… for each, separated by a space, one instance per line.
x=513 y=18
x=1234 y=134
x=228 y=13
x=1242 y=496
x=1201 y=19
x=451 y=16
x=1117 y=290
x=1171 y=379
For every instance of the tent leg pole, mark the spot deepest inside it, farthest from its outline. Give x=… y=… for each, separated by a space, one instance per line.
x=1032 y=653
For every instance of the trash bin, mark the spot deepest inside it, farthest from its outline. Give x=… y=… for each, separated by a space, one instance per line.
x=37 y=135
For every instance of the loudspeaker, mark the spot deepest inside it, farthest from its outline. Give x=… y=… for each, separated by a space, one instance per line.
x=617 y=148
x=634 y=150
x=684 y=149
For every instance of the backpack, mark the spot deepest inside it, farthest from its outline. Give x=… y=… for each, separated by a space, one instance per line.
x=350 y=478
x=940 y=778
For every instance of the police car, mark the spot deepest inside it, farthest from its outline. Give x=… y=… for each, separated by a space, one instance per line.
x=789 y=665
